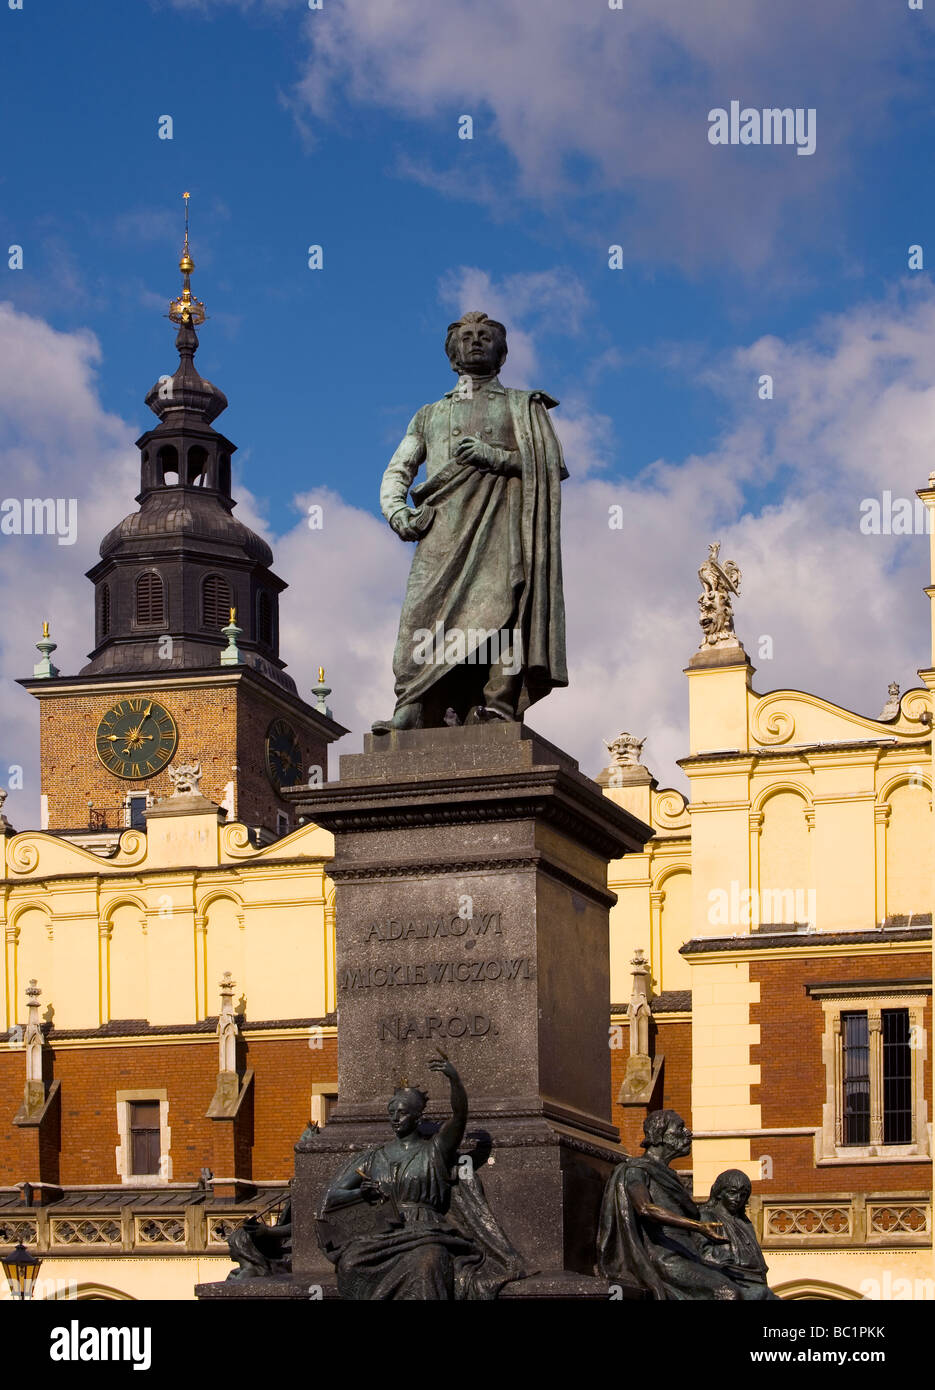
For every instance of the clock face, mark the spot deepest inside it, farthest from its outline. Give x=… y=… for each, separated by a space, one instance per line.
x=136 y=738
x=283 y=755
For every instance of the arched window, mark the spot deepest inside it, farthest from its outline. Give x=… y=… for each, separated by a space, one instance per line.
x=264 y=619
x=167 y=466
x=150 y=600
x=197 y=463
x=215 y=602
x=103 y=610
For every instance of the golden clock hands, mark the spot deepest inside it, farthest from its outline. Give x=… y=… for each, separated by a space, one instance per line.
x=140 y=738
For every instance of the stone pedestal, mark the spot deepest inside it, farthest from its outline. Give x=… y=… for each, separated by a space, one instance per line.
x=472 y=916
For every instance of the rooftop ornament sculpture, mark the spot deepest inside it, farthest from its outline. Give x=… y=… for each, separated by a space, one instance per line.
x=891 y=709
x=625 y=750
x=719 y=583
x=185 y=779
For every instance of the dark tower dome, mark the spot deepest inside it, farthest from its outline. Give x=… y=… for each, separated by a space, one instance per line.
x=171 y=572
x=186 y=390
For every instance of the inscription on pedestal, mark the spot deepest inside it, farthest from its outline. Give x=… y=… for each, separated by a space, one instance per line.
x=356 y=976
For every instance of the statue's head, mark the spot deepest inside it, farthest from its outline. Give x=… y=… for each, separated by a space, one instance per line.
x=732 y=1189
x=666 y=1129
x=405 y=1109
x=476 y=345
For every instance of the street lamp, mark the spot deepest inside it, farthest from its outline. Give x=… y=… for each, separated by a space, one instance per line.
x=21 y=1270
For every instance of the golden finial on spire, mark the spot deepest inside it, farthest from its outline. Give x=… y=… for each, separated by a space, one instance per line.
x=321 y=675
x=185 y=309
x=233 y=615
x=45 y=629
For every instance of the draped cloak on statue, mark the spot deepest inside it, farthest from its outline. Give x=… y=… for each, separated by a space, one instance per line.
x=446 y=1242
x=668 y=1262
x=490 y=560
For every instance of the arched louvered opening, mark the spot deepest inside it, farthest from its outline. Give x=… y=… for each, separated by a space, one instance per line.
x=264 y=619
x=167 y=466
x=150 y=600
x=197 y=466
x=103 y=611
x=216 y=602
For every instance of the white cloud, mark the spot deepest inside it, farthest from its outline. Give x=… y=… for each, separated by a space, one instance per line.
x=55 y=440
x=853 y=414
x=587 y=100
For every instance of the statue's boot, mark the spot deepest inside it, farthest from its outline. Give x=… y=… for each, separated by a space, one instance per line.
x=404 y=717
x=501 y=693
x=487 y=714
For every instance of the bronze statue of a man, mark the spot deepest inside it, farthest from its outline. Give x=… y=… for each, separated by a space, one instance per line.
x=652 y=1232
x=482 y=631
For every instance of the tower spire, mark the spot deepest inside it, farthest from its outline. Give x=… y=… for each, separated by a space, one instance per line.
x=185 y=310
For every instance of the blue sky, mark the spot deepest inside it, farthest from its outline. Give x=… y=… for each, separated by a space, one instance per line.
x=339 y=127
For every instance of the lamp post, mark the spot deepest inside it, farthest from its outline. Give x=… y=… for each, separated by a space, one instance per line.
x=21 y=1270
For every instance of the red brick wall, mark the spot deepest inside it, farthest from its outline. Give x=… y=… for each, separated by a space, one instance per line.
x=73 y=775
x=91 y=1077
x=792 y=1085
x=219 y=727
x=257 y=802
x=674 y=1041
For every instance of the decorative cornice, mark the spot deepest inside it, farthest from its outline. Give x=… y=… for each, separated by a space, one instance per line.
x=779 y=944
x=357 y=871
x=549 y=794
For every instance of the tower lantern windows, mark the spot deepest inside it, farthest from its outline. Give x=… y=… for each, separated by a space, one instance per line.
x=150 y=600
x=167 y=462
x=197 y=472
x=103 y=611
x=264 y=618
x=216 y=602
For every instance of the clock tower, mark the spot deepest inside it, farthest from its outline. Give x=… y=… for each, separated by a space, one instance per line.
x=186 y=663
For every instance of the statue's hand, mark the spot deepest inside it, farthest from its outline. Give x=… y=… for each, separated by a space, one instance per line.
x=442 y=1064
x=375 y=1187
x=714 y=1230
x=476 y=454
x=400 y=523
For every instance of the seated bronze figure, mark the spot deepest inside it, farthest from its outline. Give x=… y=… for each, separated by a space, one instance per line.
x=740 y=1255
x=406 y=1220
x=651 y=1230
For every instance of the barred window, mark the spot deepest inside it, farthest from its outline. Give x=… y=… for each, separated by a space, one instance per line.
x=873 y=1048
x=855 y=1040
x=897 y=1077
x=888 y=1107
x=150 y=600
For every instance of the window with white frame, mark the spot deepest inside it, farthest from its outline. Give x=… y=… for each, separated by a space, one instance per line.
x=874 y=1048
x=324 y=1099
x=143 y=1157
x=136 y=803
